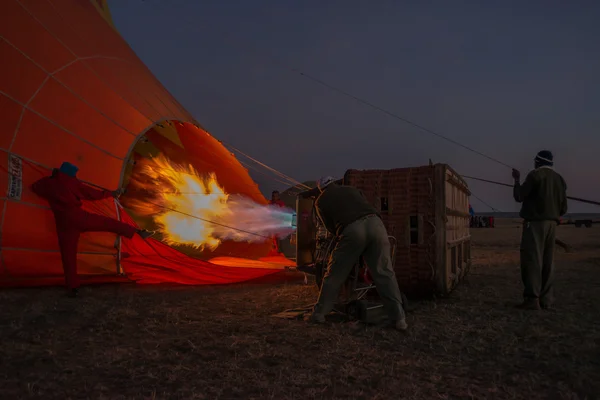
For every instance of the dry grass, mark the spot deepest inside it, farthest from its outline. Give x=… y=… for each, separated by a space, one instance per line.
x=126 y=342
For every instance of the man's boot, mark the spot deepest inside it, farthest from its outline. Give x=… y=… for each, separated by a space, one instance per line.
x=401 y=325
x=529 y=304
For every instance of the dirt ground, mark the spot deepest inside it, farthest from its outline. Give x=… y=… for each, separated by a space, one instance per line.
x=137 y=342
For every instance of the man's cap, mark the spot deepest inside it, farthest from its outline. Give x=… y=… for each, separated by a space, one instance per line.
x=68 y=169
x=545 y=157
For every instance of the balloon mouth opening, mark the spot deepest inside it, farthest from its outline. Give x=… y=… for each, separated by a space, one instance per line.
x=189 y=164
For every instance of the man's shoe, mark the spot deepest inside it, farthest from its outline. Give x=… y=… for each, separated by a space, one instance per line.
x=546 y=306
x=529 y=304
x=73 y=293
x=401 y=325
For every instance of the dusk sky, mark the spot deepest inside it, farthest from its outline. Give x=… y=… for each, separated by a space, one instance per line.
x=508 y=78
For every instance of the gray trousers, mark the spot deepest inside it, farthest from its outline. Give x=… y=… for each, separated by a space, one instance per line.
x=537 y=260
x=367 y=237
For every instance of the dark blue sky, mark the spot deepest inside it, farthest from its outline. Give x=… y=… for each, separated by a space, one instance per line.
x=508 y=78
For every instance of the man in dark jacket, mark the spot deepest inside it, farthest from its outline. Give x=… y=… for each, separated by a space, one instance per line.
x=64 y=193
x=360 y=231
x=544 y=198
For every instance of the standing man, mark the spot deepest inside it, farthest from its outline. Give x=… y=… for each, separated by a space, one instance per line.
x=64 y=193
x=359 y=231
x=276 y=201
x=544 y=199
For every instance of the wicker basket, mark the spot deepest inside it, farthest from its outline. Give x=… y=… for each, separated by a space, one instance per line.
x=427 y=210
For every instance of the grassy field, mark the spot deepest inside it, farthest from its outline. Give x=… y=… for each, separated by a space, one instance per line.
x=137 y=342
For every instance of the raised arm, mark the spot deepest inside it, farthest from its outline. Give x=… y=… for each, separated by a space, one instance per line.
x=522 y=191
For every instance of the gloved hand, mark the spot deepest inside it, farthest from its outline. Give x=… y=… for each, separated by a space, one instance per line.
x=118 y=193
x=516 y=174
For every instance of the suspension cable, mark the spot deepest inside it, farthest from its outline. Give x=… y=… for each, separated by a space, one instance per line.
x=579 y=199
x=269 y=168
x=209 y=221
x=485 y=203
x=370 y=104
x=186 y=214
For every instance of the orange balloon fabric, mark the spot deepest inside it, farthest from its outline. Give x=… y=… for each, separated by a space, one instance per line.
x=72 y=90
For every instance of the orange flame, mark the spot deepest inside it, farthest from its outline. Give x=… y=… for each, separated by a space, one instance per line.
x=181 y=202
x=194 y=210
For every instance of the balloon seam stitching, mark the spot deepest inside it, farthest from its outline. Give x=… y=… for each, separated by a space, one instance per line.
x=83 y=62
x=61 y=127
x=51 y=75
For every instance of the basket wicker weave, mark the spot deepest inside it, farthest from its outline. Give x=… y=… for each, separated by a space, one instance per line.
x=426 y=209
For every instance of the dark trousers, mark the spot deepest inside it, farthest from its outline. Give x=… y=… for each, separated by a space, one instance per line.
x=367 y=237
x=537 y=260
x=70 y=226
